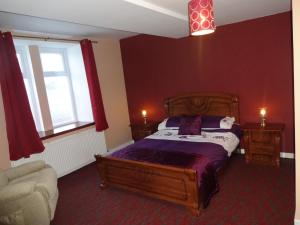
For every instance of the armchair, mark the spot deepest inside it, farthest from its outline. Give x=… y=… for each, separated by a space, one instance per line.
x=28 y=194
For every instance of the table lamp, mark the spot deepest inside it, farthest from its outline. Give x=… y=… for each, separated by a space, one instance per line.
x=144 y=114
x=263 y=113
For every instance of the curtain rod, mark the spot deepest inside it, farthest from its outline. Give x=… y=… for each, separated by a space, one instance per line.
x=49 y=38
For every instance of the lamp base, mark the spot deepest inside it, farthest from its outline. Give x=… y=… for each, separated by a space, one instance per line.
x=263 y=122
x=145 y=120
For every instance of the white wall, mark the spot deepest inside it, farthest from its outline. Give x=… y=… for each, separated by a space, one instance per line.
x=296 y=44
x=110 y=71
x=79 y=84
x=4 y=154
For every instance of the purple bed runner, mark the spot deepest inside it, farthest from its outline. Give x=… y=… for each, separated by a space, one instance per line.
x=205 y=158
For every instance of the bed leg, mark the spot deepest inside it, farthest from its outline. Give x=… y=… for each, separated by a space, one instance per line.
x=103 y=186
x=195 y=211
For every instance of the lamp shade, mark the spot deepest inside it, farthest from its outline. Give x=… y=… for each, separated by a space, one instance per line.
x=201 y=17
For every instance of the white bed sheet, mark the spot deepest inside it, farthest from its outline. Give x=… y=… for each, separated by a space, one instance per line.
x=228 y=140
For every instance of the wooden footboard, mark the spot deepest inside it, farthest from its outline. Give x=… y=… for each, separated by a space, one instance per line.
x=177 y=185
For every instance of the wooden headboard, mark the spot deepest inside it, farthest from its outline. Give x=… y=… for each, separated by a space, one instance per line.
x=216 y=104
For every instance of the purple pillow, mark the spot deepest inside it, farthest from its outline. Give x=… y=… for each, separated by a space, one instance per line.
x=173 y=121
x=211 y=121
x=190 y=125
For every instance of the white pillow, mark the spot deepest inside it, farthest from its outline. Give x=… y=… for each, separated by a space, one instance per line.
x=227 y=122
x=162 y=126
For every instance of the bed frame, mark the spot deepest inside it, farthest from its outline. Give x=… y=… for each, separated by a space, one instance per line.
x=173 y=184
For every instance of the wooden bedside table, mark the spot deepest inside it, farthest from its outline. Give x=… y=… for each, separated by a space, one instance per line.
x=263 y=144
x=141 y=130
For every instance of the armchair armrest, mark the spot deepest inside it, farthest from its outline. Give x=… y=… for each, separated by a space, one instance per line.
x=26 y=168
x=15 y=191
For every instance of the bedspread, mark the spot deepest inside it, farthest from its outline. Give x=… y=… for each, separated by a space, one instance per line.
x=205 y=158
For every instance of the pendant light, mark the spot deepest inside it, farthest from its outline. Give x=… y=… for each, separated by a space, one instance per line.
x=201 y=17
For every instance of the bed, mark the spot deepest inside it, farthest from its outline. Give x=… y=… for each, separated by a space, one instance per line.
x=170 y=181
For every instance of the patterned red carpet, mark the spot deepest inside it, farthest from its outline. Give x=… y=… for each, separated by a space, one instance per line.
x=249 y=195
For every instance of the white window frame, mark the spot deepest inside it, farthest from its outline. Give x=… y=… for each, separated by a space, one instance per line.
x=65 y=73
x=32 y=70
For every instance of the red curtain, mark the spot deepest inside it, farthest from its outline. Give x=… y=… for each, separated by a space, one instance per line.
x=94 y=85
x=22 y=135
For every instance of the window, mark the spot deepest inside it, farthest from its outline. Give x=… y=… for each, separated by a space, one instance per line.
x=58 y=86
x=55 y=81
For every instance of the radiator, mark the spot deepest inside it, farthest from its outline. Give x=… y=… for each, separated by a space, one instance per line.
x=70 y=153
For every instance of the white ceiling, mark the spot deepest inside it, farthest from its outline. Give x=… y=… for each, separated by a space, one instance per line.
x=19 y=23
x=124 y=18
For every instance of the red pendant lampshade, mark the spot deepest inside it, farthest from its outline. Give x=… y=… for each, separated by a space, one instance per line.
x=201 y=17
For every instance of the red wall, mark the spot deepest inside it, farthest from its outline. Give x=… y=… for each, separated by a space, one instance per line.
x=252 y=59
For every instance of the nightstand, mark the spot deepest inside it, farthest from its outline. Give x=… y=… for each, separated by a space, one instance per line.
x=263 y=144
x=141 y=130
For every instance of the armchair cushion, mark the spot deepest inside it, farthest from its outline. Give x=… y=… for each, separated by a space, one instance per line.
x=3 y=179
x=13 y=218
x=45 y=180
x=26 y=168
x=15 y=191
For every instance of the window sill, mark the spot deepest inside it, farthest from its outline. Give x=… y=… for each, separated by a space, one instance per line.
x=64 y=129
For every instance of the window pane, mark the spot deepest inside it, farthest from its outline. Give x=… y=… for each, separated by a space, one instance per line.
x=60 y=101
x=27 y=86
x=28 y=90
x=20 y=62
x=52 y=62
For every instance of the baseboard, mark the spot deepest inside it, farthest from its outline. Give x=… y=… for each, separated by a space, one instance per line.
x=296 y=222
x=287 y=155
x=59 y=175
x=284 y=155
x=109 y=151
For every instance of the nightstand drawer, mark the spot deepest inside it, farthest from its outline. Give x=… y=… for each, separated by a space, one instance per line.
x=262 y=137
x=264 y=159
x=263 y=144
x=261 y=149
x=142 y=130
x=137 y=135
